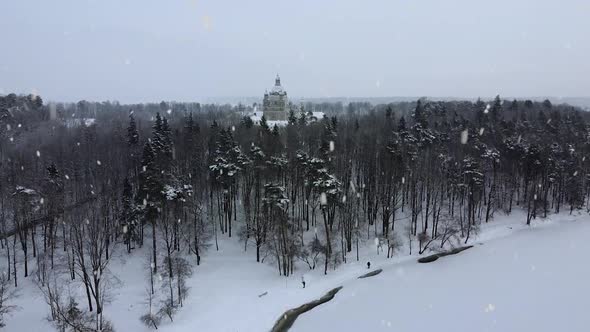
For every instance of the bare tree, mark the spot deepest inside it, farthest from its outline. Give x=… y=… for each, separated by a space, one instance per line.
x=7 y=294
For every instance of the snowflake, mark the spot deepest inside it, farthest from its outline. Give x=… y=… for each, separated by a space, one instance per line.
x=332 y=147
x=169 y=111
x=98 y=162
x=323 y=199
x=464 y=136
x=38 y=153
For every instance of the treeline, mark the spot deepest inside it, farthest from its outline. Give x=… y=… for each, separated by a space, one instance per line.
x=178 y=177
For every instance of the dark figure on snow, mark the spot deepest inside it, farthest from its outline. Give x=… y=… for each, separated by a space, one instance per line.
x=368 y=265
x=303 y=281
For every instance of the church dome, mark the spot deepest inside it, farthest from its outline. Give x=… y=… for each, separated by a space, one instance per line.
x=278 y=89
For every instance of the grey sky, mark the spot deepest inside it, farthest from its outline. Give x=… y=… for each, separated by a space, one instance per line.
x=151 y=50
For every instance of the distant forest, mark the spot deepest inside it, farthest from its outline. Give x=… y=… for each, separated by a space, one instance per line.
x=81 y=180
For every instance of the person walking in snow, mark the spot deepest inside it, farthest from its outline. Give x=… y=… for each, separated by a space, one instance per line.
x=303 y=281
x=368 y=265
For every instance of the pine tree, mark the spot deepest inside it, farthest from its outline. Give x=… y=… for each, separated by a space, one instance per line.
x=263 y=124
x=132 y=134
x=128 y=216
x=419 y=116
x=150 y=191
x=497 y=110
x=292 y=118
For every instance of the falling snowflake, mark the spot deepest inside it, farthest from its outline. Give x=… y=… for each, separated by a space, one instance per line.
x=8 y=127
x=78 y=143
x=38 y=153
x=464 y=136
x=487 y=110
x=323 y=199
x=41 y=201
x=575 y=173
x=67 y=177
x=169 y=111
x=19 y=125
x=403 y=179
x=125 y=229
x=98 y=162
x=11 y=139
x=343 y=198
x=332 y=147
x=481 y=131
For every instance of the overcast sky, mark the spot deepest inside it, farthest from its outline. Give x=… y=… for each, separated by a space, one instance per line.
x=186 y=50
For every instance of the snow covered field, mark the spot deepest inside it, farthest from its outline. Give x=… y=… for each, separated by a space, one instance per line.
x=533 y=280
x=520 y=279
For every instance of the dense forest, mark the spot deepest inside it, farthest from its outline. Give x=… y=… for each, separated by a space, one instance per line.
x=81 y=181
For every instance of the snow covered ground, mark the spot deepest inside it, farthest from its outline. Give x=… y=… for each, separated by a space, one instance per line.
x=520 y=279
x=533 y=280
